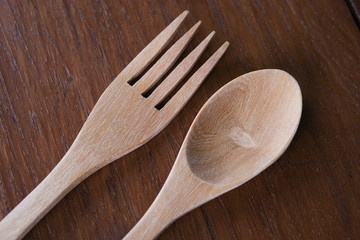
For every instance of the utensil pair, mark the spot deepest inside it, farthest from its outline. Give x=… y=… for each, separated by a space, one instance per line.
x=240 y=131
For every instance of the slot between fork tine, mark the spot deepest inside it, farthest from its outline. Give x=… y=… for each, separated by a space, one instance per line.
x=152 y=50
x=178 y=101
x=175 y=77
x=154 y=74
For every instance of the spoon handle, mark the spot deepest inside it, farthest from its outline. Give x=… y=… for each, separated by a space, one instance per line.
x=181 y=193
x=155 y=220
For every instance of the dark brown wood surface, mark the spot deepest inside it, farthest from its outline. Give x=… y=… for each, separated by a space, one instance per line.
x=56 y=58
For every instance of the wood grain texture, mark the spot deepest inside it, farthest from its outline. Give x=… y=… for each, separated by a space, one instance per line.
x=57 y=57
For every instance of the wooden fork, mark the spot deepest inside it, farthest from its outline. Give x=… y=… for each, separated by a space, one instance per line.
x=121 y=121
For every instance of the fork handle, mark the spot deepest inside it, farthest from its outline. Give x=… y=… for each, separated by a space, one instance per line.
x=62 y=179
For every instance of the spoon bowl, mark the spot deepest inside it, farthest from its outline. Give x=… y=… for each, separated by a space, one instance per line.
x=244 y=127
x=241 y=130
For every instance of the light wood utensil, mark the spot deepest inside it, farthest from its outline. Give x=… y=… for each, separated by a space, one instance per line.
x=121 y=121
x=241 y=130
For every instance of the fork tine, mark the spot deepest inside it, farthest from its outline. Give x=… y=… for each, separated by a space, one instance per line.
x=177 y=102
x=150 y=52
x=179 y=72
x=165 y=62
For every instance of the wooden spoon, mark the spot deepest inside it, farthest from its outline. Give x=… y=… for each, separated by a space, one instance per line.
x=242 y=129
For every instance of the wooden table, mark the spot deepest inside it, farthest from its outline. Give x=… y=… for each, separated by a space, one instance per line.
x=57 y=58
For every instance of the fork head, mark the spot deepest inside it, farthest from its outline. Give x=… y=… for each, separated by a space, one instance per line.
x=123 y=119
